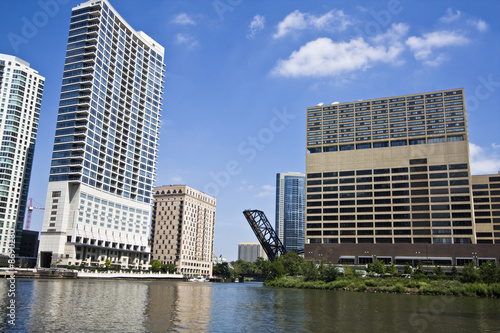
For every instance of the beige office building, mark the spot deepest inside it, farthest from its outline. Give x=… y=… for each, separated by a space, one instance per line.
x=182 y=230
x=486 y=195
x=389 y=178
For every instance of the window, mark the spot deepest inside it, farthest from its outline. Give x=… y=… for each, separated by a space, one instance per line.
x=417 y=141
x=347 y=147
x=380 y=144
x=363 y=146
x=436 y=140
x=398 y=143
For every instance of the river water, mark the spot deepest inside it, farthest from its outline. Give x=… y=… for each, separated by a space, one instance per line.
x=98 y=305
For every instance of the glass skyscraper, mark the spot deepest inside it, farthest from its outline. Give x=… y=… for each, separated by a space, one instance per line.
x=99 y=196
x=21 y=88
x=290 y=211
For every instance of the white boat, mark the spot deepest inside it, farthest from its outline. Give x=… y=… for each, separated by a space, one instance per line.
x=198 y=279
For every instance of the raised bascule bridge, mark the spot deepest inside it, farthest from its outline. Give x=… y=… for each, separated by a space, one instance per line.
x=265 y=233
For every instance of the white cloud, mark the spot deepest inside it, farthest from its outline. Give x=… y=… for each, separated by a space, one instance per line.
x=186 y=39
x=183 y=19
x=295 y=21
x=256 y=25
x=393 y=34
x=450 y=16
x=483 y=161
x=478 y=24
x=267 y=191
x=423 y=47
x=324 y=57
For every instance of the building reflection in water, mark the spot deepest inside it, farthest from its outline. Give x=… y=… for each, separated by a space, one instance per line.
x=184 y=305
x=96 y=305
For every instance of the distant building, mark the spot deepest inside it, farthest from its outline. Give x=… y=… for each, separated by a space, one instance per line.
x=22 y=89
x=290 y=210
x=182 y=230
x=389 y=179
x=99 y=196
x=250 y=252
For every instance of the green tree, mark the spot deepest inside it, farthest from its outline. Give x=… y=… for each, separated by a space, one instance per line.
x=379 y=267
x=168 y=268
x=242 y=267
x=419 y=272
x=348 y=271
x=310 y=271
x=408 y=269
x=262 y=266
x=392 y=269
x=470 y=274
x=276 y=269
x=292 y=263
x=438 y=272
x=107 y=263
x=488 y=271
x=155 y=265
x=454 y=272
x=221 y=270
x=330 y=273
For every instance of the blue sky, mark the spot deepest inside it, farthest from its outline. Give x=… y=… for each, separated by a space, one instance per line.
x=240 y=74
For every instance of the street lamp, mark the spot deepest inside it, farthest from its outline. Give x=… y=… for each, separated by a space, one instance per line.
x=474 y=258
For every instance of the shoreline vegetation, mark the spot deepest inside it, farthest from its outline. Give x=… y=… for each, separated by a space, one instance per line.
x=395 y=285
x=293 y=271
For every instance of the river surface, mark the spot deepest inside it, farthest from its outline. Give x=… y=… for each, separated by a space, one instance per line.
x=98 y=305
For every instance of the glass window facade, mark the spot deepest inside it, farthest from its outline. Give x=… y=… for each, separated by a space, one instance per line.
x=21 y=88
x=106 y=142
x=290 y=210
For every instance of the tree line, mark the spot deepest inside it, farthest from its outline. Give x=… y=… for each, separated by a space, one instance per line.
x=292 y=264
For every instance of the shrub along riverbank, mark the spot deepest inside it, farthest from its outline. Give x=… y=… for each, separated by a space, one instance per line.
x=391 y=285
x=293 y=271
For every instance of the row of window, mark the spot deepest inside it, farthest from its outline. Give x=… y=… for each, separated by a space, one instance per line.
x=390 y=240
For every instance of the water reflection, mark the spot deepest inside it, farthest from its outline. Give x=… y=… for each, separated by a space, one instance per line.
x=160 y=306
x=178 y=305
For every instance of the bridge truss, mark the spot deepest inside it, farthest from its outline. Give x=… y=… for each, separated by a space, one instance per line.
x=265 y=233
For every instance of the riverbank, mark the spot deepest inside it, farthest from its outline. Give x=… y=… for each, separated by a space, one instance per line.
x=397 y=285
x=86 y=274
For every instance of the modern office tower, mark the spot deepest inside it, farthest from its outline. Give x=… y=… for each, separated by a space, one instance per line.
x=182 y=230
x=99 y=196
x=250 y=252
x=21 y=88
x=486 y=196
x=290 y=209
x=389 y=179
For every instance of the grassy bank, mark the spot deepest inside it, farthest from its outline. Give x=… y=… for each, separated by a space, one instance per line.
x=392 y=285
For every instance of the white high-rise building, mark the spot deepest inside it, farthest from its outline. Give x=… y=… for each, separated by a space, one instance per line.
x=100 y=189
x=21 y=88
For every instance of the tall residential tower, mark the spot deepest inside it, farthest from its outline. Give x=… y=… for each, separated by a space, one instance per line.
x=103 y=164
x=290 y=209
x=21 y=88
